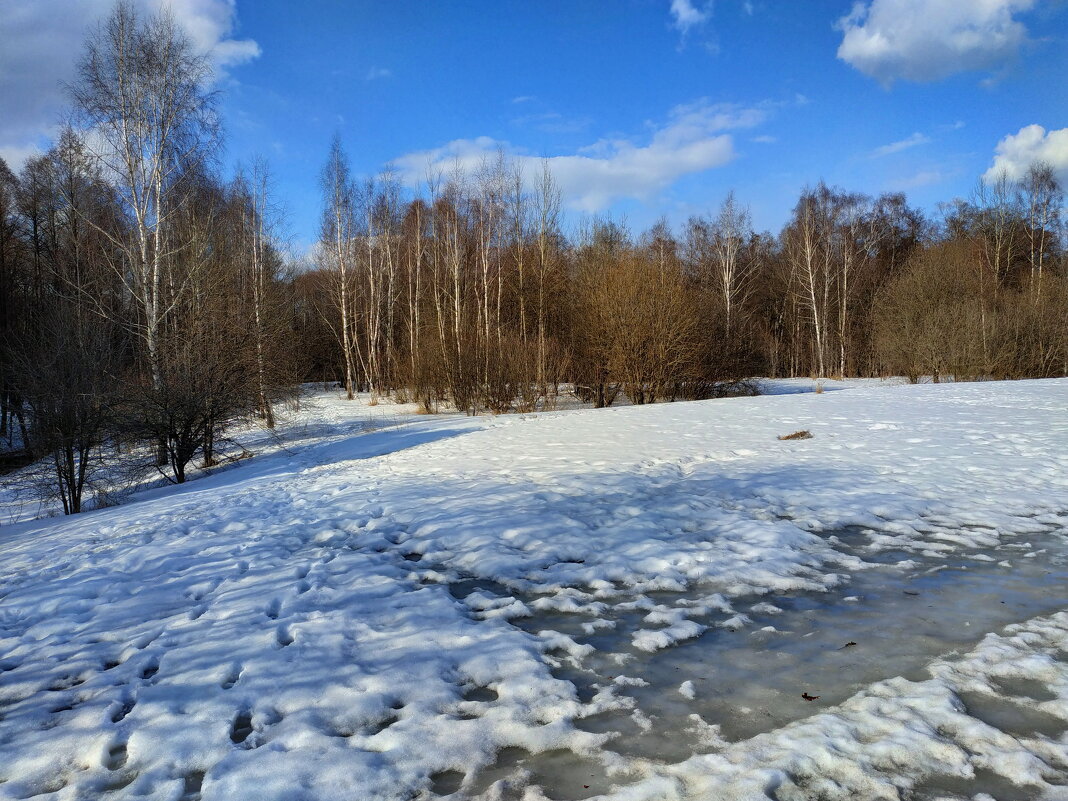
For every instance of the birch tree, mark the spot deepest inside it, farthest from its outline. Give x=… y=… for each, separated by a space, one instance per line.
x=730 y=233
x=253 y=199
x=337 y=242
x=1042 y=198
x=143 y=95
x=809 y=255
x=858 y=235
x=547 y=211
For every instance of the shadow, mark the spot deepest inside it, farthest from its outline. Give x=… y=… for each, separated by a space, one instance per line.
x=797 y=387
x=294 y=459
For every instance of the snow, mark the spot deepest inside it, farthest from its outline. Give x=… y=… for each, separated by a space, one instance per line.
x=623 y=603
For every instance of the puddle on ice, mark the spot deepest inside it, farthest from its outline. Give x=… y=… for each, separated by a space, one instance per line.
x=749 y=680
x=949 y=788
x=1013 y=716
x=561 y=776
x=899 y=616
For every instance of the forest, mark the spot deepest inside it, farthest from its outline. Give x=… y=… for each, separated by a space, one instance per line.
x=149 y=301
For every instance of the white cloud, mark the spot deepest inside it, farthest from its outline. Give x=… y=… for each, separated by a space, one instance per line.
x=904 y=144
x=693 y=140
x=15 y=155
x=210 y=24
x=43 y=39
x=924 y=40
x=1017 y=152
x=686 y=15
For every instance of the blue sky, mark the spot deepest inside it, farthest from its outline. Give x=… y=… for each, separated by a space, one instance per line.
x=644 y=107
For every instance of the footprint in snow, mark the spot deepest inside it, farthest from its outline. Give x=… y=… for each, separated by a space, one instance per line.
x=124 y=708
x=241 y=728
x=382 y=724
x=192 y=784
x=116 y=757
x=232 y=677
x=150 y=670
x=482 y=694
x=146 y=639
x=65 y=683
x=283 y=637
x=446 y=782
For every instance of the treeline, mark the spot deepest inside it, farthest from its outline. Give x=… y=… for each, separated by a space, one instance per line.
x=146 y=305
x=470 y=294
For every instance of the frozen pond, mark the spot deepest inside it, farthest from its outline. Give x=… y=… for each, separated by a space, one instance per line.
x=776 y=658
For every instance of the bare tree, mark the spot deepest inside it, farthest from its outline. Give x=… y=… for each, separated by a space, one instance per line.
x=731 y=230
x=547 y=211
x=143 y=94
x=11 y=297
x=858 y=236
x=254 y=231
x=68 y=376
x=1042 y=198
x=810 y=254
x=337 y=240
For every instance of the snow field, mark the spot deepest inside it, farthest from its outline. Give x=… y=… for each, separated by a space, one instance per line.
x=453 y=605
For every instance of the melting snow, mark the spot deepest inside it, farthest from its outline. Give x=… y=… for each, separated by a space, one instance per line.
x=632 y=604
